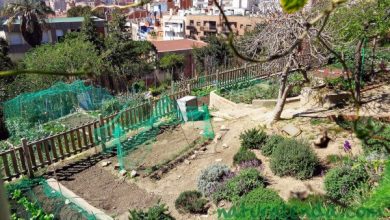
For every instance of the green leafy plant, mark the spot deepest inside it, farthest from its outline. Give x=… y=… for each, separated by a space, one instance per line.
x=156 y=212
x=243 y=155
x=271 y=144
x=191 y=202
x=253 y=138
x=211 y=178
x=239 y=185
x=342 y=183
x=294 y=158
x=31 y=207
x=110 y=106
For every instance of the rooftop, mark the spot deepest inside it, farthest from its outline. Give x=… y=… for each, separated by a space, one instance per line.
x=177 y=45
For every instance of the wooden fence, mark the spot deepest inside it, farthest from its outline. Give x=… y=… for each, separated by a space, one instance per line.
x=247 y=72
x=33 y=155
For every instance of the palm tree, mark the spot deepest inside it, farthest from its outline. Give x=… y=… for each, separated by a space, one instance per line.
x=32 y=15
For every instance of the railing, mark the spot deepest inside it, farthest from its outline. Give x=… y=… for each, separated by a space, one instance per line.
x=31 y=156
x=247 y=72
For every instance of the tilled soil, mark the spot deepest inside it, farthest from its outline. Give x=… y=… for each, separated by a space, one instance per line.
x=106 y=191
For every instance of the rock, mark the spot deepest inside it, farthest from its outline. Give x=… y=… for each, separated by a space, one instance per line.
x=117 y=166
x=218 y=136
x=218 y=119
x=187 y=162
x=122 y=172
x=192 y=157
x=299 y=193
x=218 y=160
x=224 y=128
x=133 y=173
x=203 y=149
x=291 y=130
x=201 y=132
x=225 y=146
x=106 y=163
x=178 y=177
x=67 y=201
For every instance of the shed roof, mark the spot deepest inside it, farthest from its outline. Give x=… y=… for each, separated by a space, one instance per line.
x=177 y=45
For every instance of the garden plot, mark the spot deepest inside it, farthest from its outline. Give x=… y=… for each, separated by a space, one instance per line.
x=249 y=91
x=38 y=196
x=104 y=190
x=164 y=147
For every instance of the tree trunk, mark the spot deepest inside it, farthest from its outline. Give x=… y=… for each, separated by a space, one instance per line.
x=372 y=73
x=357 y=72
x=283 y=91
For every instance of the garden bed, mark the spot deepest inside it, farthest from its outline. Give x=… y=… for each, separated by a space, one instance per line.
x=106 y=191
x=165 y=147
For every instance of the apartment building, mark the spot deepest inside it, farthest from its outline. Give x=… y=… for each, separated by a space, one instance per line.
x=200 y=26
x=57 y=28
x=173 y=26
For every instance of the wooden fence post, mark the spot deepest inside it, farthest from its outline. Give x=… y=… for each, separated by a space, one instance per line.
x=189 y=88
x=102 y=132
x=217 y=79
x=4 y=206
x=27 y=157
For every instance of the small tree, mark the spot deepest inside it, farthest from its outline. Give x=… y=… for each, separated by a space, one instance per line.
x=172 y=62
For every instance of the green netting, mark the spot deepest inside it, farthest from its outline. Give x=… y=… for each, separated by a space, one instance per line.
x=134 y=144
x=37 y=194
x=59 y=100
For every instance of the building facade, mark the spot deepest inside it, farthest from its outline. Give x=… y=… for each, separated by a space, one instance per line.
x=200 y=26
x=57 y=28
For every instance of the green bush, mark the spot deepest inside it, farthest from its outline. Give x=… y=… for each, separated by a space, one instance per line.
x=260 y=196
x=155 y=91
x=157 y=212
x=243 y=155
x=271 y=143
x=110 y=106
x=342 y=183
x=265 y=204
x=294 y=158
x=239 y=185
x=192 y=202
x=211 y=178
x=253 y=138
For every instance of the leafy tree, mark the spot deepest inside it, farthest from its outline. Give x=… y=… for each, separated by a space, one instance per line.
x=5 y=64
x=124 y=56
x=72 y=55
x=81 y=11
x=88 y=29
x=172 y=62
x=33 y=15
x=215 y=54
x=351 y=27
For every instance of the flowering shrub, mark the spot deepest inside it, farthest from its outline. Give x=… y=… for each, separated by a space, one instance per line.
x=192 y=202
x=271 y=143
x=243 y=155
x=211 y=178
x=253 y=138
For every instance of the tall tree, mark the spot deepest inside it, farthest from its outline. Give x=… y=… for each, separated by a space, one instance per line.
x=88 y=29
x=216 y=53
x=5 y=64
x=33 y=16
x=351 y=28
x=126 y=57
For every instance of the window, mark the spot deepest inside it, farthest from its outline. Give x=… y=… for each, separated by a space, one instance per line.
x=191 y=22
x=198 y=23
